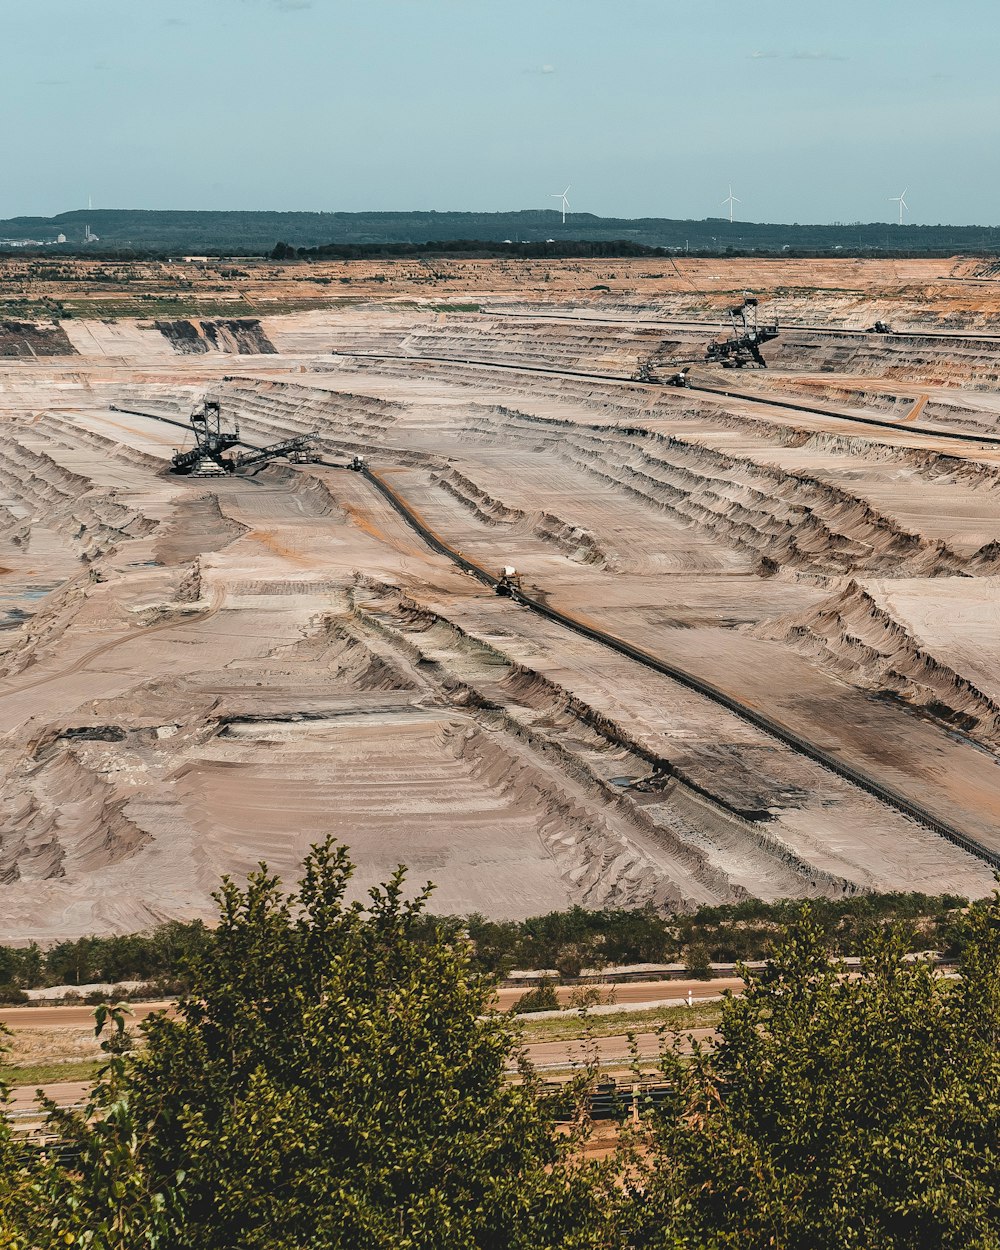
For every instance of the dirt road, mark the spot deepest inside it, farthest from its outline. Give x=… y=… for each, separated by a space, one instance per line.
x=52 y=1017
x=634 y=991
x=624 y=993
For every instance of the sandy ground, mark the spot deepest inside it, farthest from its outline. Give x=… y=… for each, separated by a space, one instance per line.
x=24 y=1020
x=197 y=674
x=640 y=993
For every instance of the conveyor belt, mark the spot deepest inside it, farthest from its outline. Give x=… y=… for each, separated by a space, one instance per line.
x=848 y=772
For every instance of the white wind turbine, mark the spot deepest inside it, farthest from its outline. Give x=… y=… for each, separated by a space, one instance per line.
x=731 y=200
x=898 y=199
x=561 y=195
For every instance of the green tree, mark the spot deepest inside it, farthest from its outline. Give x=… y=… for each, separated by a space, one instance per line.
x=540 y=998
x=335 y=1079
x=838 y=1112
x=108 y=1198
x=23 y=1212
x=697 y=962
x=73 y=963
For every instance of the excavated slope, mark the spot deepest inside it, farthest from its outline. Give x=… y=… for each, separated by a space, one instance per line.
x=24 y=338
x=855 y=634
x=238 y=337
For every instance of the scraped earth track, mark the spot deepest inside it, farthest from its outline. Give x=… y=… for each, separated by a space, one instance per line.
x=197 y=674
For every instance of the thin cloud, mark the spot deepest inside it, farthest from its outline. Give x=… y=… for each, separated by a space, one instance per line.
x=285 y=6
x=540 y=69
x=759 y=54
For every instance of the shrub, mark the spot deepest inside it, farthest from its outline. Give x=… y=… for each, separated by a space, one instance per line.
x=337 y=1080
x=697 y=963
x=540 y=998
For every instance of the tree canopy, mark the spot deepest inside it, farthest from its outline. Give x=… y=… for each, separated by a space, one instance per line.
x=838 y=1111
x=335 y=1078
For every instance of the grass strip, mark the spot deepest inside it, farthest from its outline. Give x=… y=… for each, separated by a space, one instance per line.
x=643 y=1020
x=34 y=1074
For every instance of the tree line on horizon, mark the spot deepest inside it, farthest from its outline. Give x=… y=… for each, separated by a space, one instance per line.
x=254 y=233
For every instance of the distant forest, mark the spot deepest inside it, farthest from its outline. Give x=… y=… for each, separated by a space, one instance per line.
x=256 y=233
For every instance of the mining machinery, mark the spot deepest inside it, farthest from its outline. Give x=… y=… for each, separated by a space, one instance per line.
x=742 y=348
x=298 y=450
x=659 y=368
x=880 y=327
x=508 y=584
x=213 y=440
x=647 y=371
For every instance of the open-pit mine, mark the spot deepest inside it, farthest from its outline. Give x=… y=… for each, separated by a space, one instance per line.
x=747 y=643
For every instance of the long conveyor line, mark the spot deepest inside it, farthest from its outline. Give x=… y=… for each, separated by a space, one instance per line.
x=788 y=327
x=760 y=720
x=964 y=436
x=856 y=776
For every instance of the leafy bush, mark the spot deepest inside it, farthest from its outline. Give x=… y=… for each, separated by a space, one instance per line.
x=568 y=940
x=541 y=998
x=335 y=1079
x=836 y=1111
x=697 y=963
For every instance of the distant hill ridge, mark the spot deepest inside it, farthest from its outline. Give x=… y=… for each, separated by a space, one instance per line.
x=239 y=231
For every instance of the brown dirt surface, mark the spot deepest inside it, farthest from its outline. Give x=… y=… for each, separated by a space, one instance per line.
x=198 y=673
x=624 y=992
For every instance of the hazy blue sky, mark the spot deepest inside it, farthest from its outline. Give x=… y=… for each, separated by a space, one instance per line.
x=814 y=111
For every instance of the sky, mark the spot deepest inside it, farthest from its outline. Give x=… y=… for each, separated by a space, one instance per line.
x=812 y=112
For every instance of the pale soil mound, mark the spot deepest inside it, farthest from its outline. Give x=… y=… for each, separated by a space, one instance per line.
x=934 y=647
x=786 y=518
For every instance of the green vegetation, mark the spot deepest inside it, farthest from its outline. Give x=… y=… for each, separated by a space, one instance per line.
x=132 y=232
x=570 y=939
x=837 y=1112
x=331 y=1082
x=165 y=953
x=334 y=1081
x=641 y=1020
x=541 y=998
x=35 y=1074
x=570 y=249
x=567 y=941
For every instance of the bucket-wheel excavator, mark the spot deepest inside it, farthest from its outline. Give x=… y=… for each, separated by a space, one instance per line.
x=213 y=440
x=742 y=348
